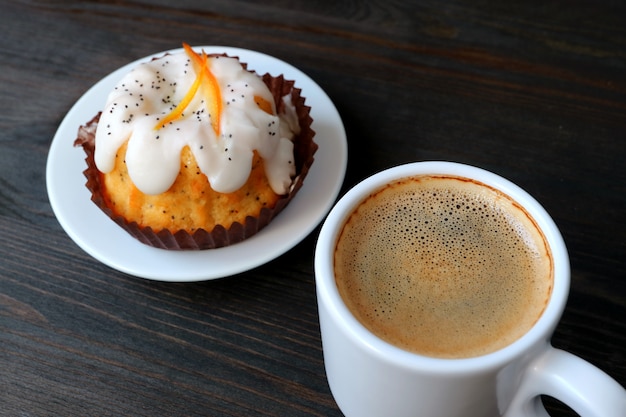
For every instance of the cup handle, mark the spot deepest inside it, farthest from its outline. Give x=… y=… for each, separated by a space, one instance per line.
x=583 y=387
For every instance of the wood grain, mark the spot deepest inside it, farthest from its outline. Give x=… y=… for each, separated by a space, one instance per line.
x=534 y=91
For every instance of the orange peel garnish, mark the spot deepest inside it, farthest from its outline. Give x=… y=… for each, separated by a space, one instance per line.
x=180 y=108
x=263 y=104
x=213 y=95
x=206 y=80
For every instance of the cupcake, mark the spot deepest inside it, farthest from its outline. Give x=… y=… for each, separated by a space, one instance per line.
x=195 y=151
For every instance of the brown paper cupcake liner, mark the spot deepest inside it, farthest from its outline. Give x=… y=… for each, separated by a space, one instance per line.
x=304 y=150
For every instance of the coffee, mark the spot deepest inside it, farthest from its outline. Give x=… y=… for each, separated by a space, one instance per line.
x=443 y=266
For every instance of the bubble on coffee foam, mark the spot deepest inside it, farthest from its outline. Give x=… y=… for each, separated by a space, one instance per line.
x=416 y=253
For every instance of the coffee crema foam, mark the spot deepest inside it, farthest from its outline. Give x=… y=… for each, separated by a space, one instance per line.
x=443 y=266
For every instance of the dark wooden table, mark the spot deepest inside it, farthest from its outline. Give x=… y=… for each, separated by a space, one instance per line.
x=532 y=90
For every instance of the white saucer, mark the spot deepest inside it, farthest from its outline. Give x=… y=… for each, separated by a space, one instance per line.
x=100 y=237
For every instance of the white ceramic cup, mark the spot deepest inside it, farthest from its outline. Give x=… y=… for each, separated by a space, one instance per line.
x=370 y=377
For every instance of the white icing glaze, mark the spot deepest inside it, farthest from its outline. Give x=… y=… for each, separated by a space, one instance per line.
x=150 y=91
